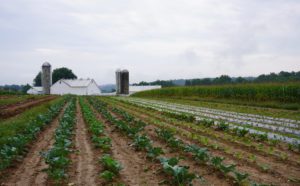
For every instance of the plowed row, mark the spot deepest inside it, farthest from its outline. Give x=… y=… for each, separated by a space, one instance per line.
x=84 y=167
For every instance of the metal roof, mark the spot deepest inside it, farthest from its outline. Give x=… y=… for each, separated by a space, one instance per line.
x=77 y=82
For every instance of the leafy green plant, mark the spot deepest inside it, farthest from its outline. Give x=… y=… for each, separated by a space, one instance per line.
x=57 y=157
x=154 y=152
x=200 y=154
x=227 y=168
x=102 y=142
x=222 y=126
x=108 y=175
x=207 y=123
x=110 y=164
x=240 y=177
x=141 y=142
x=180 y=174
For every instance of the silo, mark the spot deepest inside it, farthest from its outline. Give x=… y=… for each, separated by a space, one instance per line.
x=124 y=82
x=118 y=81
x=46 y=78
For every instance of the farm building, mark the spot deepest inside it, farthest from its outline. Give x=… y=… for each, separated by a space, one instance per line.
x=76 y=87
x=35 y=90
x=134 y=89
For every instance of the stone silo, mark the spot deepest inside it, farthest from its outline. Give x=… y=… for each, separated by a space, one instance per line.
x=124 y=82
x=46 y=78
x=118 y=81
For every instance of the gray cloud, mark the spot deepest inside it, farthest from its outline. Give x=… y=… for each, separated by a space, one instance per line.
x=153 y=39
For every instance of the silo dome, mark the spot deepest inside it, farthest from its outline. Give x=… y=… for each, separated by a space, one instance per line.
x=46 y=64
x=124 y=70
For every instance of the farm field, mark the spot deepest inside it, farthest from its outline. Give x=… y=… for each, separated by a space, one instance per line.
x=270 y=95
x=131 y=141
x=11 y=105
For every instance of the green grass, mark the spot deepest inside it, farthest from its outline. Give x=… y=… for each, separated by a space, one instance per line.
x=285 y=96
x=15 y=99
x=15 y=125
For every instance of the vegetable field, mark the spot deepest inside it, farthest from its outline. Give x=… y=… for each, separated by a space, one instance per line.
x=132 y=141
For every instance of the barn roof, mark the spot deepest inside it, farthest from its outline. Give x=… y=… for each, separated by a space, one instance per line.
x=77 y=82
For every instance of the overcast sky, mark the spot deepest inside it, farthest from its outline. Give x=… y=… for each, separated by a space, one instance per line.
x=153 y=39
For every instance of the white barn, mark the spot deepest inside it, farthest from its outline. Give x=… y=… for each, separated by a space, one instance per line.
x=76 y=87
x=35 y=90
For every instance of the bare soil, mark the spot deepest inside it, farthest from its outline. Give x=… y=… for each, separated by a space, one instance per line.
x=15 y=109
x=85 y=168
x=30 y=172
x=137 y=170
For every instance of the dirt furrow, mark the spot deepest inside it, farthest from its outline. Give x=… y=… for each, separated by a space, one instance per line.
x=85 y=167
x=137 y=170
x=30 y=171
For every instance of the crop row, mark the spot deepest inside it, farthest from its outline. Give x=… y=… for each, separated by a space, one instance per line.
x=58 y=156
x=214 y=140
x=100 y=140
x=201 y=155
x=179 y=175
x=238 y=135
x=252 y=128
x=239 y=117
x=15 y=146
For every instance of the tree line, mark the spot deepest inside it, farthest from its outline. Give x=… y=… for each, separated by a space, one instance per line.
x=280 y=77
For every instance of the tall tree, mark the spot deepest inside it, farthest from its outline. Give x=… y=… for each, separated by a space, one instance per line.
x=62 y=73
x=37 y=82
x=59 y=73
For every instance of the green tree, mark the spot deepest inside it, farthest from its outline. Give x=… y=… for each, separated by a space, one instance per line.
x=25 y=88
x=62 y=73
x=37 y=81
x=59 y=73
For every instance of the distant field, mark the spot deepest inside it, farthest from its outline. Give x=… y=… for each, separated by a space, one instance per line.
x=13 y=99
x=286 y=96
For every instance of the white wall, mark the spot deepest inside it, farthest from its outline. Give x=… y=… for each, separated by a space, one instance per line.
x=61 y=88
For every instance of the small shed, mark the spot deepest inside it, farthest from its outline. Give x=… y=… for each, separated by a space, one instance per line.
x=76 y=87
x=35 y=90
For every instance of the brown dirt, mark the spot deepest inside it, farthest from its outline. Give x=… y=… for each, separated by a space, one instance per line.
x=137 y=170
x=255 y=174
x=13 y=110
x=85 y=168
x=30 y=171
x=210 y=176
